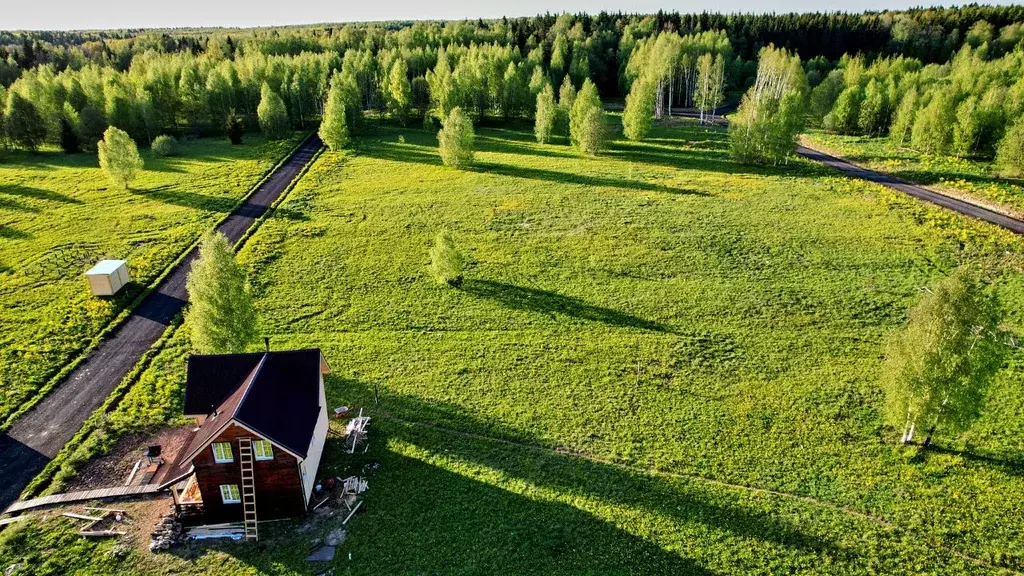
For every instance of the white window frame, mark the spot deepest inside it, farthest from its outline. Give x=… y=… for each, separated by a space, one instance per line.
x=219 y=459
x=227 y=497
x=257 y=445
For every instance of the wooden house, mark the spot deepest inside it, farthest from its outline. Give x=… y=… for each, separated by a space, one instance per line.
x=261 y=427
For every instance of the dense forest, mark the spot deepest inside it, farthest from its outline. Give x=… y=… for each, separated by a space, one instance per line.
x=942 y=80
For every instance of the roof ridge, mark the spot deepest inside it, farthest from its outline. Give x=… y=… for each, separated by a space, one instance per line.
x=248 y=386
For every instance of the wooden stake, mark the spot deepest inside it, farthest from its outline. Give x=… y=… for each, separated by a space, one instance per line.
x=358 y=504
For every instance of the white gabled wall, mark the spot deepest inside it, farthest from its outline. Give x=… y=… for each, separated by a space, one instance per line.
x=308 y=467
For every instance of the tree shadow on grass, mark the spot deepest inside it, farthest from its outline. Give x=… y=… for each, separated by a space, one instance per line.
x=17 y=206
x=571 y=178
x=1010 y=464
x=223 y=204
x=13 y=233
x=553 y=304
x=37 y=193
x=541 y=470
x=421 y=517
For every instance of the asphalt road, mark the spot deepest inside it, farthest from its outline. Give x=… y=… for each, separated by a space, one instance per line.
x=955 y=204
x=915 y=190
x=37 y=436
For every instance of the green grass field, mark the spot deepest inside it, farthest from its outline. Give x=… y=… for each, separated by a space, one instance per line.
x=58 y=216
x=661 y=362
x=973 y=177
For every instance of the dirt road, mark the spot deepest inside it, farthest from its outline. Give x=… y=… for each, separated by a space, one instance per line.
x=37 y=436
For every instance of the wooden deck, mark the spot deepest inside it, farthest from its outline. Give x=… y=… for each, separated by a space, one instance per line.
x=101 y=494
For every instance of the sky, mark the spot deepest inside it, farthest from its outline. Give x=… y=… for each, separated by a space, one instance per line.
x=84 y=14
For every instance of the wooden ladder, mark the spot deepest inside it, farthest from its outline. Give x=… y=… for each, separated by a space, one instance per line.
x=248 y=489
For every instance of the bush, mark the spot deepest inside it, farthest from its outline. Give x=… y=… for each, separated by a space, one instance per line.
x=446 y=262
x=455 y=140
x=164 y=146
x=235 y=126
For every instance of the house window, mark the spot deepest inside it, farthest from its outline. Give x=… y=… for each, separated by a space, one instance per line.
x=222 y=452
x=229 y=494
x=262 y=450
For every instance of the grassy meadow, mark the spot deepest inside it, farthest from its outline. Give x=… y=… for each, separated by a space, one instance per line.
x=660 y=362
x=972 y=178
x=59 y=216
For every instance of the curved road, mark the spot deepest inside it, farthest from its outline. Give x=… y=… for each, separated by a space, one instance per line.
x=915 y=190
x=36 y=437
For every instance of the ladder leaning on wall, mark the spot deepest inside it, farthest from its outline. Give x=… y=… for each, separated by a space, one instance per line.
x=248 y=488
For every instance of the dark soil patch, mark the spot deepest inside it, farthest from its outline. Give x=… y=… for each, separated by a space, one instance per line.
x=113 y=468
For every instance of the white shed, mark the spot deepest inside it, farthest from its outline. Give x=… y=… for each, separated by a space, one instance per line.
x=107 y=277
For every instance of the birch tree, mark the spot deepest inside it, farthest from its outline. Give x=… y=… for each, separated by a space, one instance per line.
x=334 y=125
x=638 y=116
x=710 y=84
x=771 y=113
x=119 y=157
x=544 y=119
x=937 y=371
x=399 y=91
x=455 y=139
x=586 y=120
x=220 y=316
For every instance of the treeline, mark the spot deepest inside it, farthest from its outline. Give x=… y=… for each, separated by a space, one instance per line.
x=971 y=106
x=199 y=82
x=930 y=35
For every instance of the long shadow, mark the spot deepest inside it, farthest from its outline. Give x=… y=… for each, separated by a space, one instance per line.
x=37 y=193
x=13 y=233
x=1010 y=464
x=160 y=308
x=19 y=463
x=194 y=200
x=17 y=206
x=502 y=146
x=553 y=304
x=713 y=160
x=570 y=178
x=422 y=518
x=683 y=503
x=418 y=153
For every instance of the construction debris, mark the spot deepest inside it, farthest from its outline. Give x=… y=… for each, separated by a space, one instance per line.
x=83 y=517
x=167 y=534
x=323 y=554
x=336 y=537
x=233 y=530
x=355 y=431
x=12 y=520
x=353 y=485
x=358 y=504
x=109 y=519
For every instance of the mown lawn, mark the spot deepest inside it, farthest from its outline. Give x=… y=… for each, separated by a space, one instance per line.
x=974 y=178
x=58 y=216
x=661 y=362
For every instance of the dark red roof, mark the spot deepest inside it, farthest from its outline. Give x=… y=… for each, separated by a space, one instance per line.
x=278 y=397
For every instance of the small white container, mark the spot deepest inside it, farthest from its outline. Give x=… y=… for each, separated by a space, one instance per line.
x=107 y=277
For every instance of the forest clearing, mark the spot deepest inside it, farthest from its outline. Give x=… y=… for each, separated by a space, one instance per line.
x=597 y=329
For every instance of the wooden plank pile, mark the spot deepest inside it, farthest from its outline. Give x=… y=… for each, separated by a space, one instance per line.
x=109 y=520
